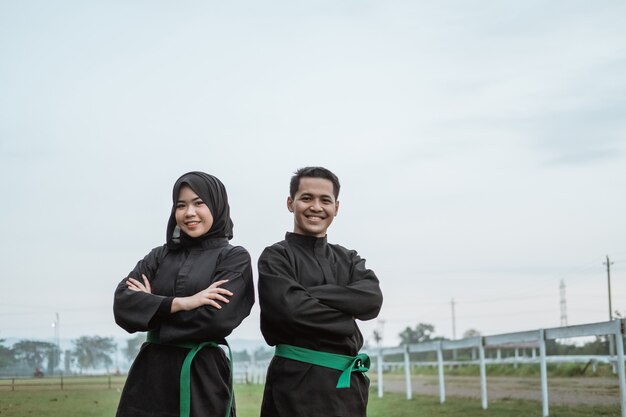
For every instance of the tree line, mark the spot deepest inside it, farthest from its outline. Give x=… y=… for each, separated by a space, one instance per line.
x=87 y=353
x=424 y=332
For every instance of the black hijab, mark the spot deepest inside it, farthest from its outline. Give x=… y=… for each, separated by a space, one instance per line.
x=213 y=194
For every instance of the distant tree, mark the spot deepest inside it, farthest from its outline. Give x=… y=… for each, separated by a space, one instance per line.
x=599 y=346
x=471 y=333
x=90 y=352
x=377 y=337
x=241 y=356
x=7 y=357
x=54 y=359
x=132 y=346
x=421 y=333
x=407 y=336
x=33 y=352
x=262 y=353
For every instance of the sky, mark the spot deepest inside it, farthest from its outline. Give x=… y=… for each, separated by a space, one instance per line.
x=481 y=148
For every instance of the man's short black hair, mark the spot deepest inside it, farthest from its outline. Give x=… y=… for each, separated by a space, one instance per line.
x=314 y=172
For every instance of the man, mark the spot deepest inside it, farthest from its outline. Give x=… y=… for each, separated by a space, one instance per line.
x=311 y=293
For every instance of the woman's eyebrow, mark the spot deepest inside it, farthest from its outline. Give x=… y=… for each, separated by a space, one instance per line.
x=192 y=200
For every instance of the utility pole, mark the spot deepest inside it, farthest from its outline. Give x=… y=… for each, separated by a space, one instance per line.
x=381 y=323
x=453 y=321
x=608 y=264
x=563 y=305
x=453 y=328
x=57 y=331
x=608 y=277
x=56 y=355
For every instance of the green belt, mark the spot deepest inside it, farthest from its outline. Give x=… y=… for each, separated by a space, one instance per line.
x=346 y=364
x=185 y=372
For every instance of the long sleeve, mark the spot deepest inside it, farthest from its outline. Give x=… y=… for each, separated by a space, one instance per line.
x=288 y=306
x=361 y=298
x=183 y=273
x=134 y=311
x=207 y=322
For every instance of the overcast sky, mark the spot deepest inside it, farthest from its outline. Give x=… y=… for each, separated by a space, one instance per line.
x=481 y=147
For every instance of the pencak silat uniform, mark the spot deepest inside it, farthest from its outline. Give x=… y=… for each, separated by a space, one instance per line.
x=183 y=267
x=310 y=292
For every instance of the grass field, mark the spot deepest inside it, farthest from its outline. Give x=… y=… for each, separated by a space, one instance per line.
x=99 y=401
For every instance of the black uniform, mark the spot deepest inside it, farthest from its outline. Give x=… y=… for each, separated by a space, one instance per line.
x=310 y=293
x=183 y=267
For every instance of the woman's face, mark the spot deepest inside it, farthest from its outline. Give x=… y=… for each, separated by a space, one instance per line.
x=193 y=216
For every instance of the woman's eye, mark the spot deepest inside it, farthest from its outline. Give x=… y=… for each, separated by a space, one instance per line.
x=199 y=203
x=180 y=206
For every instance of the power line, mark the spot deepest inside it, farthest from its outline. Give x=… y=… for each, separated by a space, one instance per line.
x=498 y=299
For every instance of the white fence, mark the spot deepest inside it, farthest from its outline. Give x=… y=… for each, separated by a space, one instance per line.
x=614 y=329
x=250 y=372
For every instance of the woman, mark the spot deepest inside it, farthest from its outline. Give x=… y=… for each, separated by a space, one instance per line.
x=189 y=294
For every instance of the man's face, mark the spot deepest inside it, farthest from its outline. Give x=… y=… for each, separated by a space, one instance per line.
x=314 y=207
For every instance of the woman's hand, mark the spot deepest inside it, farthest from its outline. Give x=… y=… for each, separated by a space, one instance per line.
x=135 y=285
x=209 y=296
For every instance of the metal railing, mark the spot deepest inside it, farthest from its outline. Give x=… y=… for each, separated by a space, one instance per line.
x=614 y=329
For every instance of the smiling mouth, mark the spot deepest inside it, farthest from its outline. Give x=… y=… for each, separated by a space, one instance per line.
x=192 y=224
x=315 y=218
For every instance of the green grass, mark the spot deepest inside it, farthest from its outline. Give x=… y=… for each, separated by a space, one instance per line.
x=102 y=402
x=47 y=403
x=396 y=405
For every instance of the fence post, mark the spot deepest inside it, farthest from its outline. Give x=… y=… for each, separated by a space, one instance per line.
x=544 y=372
x=442 y=384
x=407 y=373
x=379 y=364
x=619 y=345
x=61 y=382
x=12 y=384
x=483 y=372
